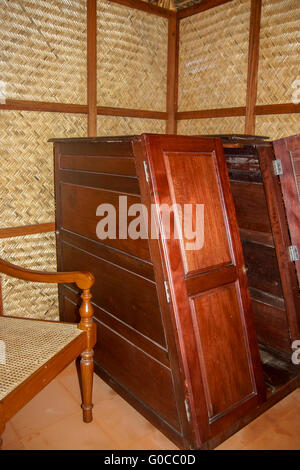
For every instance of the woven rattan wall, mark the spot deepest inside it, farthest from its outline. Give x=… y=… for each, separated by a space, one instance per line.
x=279 y=65
x=26 y=177
x=27 y=197
x=43 y=58
x=132 y=58
x=277 y=126
x=229 y=125
x=27 y=299
x=213 y=57
x=113 y=125
x=279 y=58
x=43 y=50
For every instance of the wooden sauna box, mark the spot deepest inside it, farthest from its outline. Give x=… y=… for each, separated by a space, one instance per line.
x=176 y=335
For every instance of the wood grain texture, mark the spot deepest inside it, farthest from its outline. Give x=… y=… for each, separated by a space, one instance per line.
x=253 y=58
x=203 y=6
x=26 y=230
x=288 y=151
x=92 y=66
x=157 y=150
x=172 y=75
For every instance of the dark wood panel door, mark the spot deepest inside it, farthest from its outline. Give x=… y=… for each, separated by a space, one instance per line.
x=203 y=280
x=288 y=151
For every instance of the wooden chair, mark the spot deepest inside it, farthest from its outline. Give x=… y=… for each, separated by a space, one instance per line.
x=35 y=351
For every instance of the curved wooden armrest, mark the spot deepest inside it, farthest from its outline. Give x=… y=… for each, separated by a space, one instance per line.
x=83 y=279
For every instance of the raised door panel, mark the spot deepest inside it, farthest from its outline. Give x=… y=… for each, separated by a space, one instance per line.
x=209 y=301
x=203 y=189
x=225 y=367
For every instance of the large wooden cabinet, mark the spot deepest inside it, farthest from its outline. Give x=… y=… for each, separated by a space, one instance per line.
x=176 y=334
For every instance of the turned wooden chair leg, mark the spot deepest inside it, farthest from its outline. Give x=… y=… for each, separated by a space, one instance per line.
x=86 y=362
x=87 y=371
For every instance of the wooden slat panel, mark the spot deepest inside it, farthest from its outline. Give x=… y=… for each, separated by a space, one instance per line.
x=113 y=165
x=271 y=325
x=263 y=272
x=138 y=372
x=120 y=184
x=251 y=207
x=125 y=295
x=78 y=214
x=71 y=304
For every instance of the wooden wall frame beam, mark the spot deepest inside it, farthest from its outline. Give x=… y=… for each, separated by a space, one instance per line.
x=211 y=113
x=146 y=7
x=127 y=112
x=198 y=8
x=22 y=230
x=92 y=67
x=172 y=74
x=283 y=108
x=253 y=59
x=43 y=106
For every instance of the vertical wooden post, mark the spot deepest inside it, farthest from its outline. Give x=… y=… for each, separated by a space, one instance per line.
x=253 y=58
x=92 y=66
x=1 y=298
x=172 y=74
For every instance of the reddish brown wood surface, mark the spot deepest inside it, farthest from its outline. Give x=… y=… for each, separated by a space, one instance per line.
x=26 y=230
x=288 y=151
x=166 y=187
x=253 y=58
x=92 y=66
x=172 y=74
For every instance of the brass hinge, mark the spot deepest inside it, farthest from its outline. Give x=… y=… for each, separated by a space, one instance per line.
x=277 y=166
x=294 y=253
x=167 y=291
x=187 y=409
x=146 y=171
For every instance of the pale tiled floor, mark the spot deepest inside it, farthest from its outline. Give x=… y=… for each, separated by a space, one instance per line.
x=52 y=420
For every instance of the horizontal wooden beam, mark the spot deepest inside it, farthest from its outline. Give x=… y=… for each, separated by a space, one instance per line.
x=260 y=110
x=211 y=113
x=198 y=8
x=284 y=108
x=22 y=105
x=43 y=106
x=147 y=7
x=11 y=232
x=125 y=112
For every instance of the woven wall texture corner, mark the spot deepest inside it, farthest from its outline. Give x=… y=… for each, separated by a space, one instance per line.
x=28 y=299
x=132 y=58
x=43 y=50
x=213 y=57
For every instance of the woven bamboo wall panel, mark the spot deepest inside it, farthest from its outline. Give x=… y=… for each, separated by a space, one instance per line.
x=277 y=126
x=279 y=59
x=28 y=299
x=112 y=125
x=213 y=57
x=26 y=163
x=228 y=125
x=132 y=58
x=43 y=50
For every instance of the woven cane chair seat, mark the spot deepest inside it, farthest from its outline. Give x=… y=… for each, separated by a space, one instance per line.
x=26 y=345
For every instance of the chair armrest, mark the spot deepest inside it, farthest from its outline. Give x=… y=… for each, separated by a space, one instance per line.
x=83 y=279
